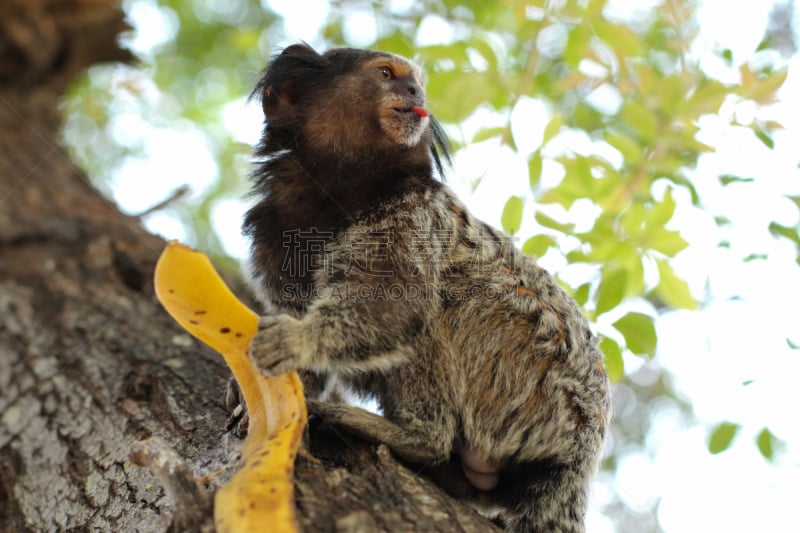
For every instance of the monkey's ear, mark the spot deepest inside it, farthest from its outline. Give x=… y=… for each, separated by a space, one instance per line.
x=299 y=50
x=275 y=98
x=286 y=79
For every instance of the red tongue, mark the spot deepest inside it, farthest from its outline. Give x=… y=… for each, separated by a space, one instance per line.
x=420 y=111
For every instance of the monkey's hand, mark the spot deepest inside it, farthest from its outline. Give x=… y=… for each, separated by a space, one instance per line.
x=281 y=345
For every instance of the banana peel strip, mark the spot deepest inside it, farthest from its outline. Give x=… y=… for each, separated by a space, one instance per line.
x=259 y=497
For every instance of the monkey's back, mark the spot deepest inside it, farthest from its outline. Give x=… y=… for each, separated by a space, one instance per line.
x=498 y=339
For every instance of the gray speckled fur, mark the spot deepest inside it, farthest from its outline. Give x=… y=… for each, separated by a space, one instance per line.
x=477 y=349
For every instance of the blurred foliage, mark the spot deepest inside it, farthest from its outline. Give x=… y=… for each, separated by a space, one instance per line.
x=722 y=436
x=206 y=55
x=630 y=86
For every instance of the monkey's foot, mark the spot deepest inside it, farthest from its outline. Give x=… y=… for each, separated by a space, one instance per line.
x=238 y=417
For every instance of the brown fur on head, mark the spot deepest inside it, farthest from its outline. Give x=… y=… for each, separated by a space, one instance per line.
x=384 y=87
x=341 y=136
x=348 y=106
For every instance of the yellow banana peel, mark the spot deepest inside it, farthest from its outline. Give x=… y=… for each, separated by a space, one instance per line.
x=259 y=497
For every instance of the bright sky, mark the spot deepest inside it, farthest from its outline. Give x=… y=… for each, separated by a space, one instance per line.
x=739 y=337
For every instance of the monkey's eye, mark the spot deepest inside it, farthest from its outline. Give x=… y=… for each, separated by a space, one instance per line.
x=386 y=72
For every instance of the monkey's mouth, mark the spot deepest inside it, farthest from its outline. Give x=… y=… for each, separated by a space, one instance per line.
x=420 y=111
x=404 y=123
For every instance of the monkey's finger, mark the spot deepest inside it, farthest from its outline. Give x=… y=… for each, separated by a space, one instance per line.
x=266 y=322
x=275 y=366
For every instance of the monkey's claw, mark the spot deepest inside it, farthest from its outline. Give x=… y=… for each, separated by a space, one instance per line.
x=278 y=347
x=238 y=417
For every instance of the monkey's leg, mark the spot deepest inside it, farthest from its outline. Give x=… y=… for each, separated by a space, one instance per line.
x=554 y=502
x=415 y=442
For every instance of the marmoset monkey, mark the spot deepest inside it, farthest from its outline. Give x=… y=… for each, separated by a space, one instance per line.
x=376 y=276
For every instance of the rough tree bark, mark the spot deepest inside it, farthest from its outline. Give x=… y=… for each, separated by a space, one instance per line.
x=90 y=363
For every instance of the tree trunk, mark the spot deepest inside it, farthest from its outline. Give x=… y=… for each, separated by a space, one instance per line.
x=90 y=363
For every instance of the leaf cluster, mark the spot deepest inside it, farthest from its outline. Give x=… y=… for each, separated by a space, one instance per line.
x=633 y=90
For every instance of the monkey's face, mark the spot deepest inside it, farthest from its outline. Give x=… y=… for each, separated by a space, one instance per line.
x=347 y=104
x=377 y=103
x=401 y=103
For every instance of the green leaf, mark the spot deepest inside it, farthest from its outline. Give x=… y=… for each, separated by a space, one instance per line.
x=785 y=232
x=577 y=42
x=707 y=98
x=577 y=182
x=764 y=89
x=662 y=211
x=727 y=179
x=615 y=366
x=792 y=345
x=667 y=242
x=764 y=137
x=552 y=223
x=581 y=294
x=727 y=55
x=639 y=332
x=612 y=289
x=595 y=8
x=639 y=119
x=766 y=444
x=635 y=268
x=766 y=43
x=584 y=177
x=632 y=219
x=630 y=149
x=486 y=52
x=461 y=92
x=538 y=245
x=587 y=117
x=621 y=39
x=722 y=436
x=672 y=289
x=511 y=219
x=579 y=256
x=686 y=184
x=553 y=127
x=671 y=94
x=535 y=168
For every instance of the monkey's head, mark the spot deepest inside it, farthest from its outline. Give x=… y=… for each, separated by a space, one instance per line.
x=348 y=104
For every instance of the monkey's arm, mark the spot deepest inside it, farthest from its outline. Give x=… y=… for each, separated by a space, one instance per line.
x=364 y=317
x=348 y=335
